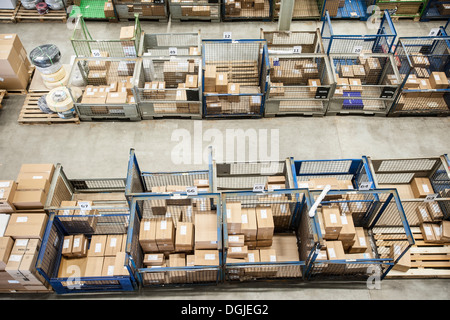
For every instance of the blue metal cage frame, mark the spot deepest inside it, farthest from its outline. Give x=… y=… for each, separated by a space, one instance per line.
x=381 y=42
x=356 y=9
x=146 y=276
x=263 y=84
x=431 y=11
x=382 y=205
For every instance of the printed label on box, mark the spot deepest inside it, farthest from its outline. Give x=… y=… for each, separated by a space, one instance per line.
x=110 y=271
x=425 y=188
x=428 y=231
x=332 y=253
x=152 y=257
x=344 y=219
x=66 y=243
x=229 y=213
x=210 y=256
x=4 y=184
x=183 y=230
x=251 y=257
x=236 y=249
x=362 y=241
x=244 y=218
x=333 y=218
x=113 y=242
x=233 y=238
x=22 y=219
x=76 y=242
x=273 y=258
x=163 y=225
x=146 y=225
x=98 y=247
x=264 y=214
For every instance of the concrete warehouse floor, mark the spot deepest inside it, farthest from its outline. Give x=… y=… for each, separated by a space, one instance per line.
x=100 y=149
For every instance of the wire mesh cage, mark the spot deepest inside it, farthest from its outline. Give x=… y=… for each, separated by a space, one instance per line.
x=171 y=44
x=169 y=87
x=147 y=10
x=346 y=9
x=188 y=10
x=303 y=10
x=362 y=235
x=435 y=10
x=289 y=42
x=141 y=183
x=257 y=10
x=432 y=175
x=270 y=250
x=365 y=83
x=108 y=85
x=244 y=176
x=170 y=260
x=380 y=42
x=339 y=173
x=424 y=65
x=85 y=45
x=234 y=79
x=84 y=271
x=299 y=84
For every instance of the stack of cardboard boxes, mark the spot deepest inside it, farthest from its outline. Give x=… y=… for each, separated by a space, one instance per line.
x=14 y=64
x=109 y=9
x=151 y=8
x=193 y=10
x=85 y=219
x=127 y=36
x=252 y=8
x=99 y=256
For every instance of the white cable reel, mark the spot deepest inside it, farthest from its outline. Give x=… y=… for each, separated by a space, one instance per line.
x=59 y=99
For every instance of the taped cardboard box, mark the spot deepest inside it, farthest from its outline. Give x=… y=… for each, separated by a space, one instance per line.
x=80 y=246
x=67 y=246
x=265 y=223
x=97 y=246
x=423 y=214
x=435 y=210
x=165 y=235
x=6 y=245
x=361 y=242
x=7 y=192
x=206 y=231
x=113 y=244
x=119 y=265
x=33 y=185
x=237 y=252
x=26 y=246
x=206 y=258
x=347 y=232
x=184 y=238
x=236 y=240
x=332 y=222
x=438 y=80
x=154 y=259
x=108 y=266
x=421 y=187
x=428 y=232
x=221 y=82
x=176 y=260
x=234 y=217
x=94 y=266
x=23 y=226
x=404 y=264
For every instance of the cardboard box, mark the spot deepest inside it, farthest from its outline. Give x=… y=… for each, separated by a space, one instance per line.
x=165 y=235
x=435 y=210
x=94 y=266
x=84 y=217
x=252 y=256
x=355 y=85
x=286 y=247
x=234 y=217
x=428 y=232
x=67 y=246
x=109 y=10
x=346 y=71
x=120 y=268
x=347 y=232
x=6 y=245
x=7 y=192
x=335 y=250
x=184 y=238
x=116 y=98
x=236 y=240
x=33 y=185
x=25 y=225
x=154 y=259
x=97 y=246
x=176 y=260
x=445 y=231
x=412 y=82
x=26 y=246
x=237 y=252
x=332 y=222
x=126 y=33
x=361 y=242
x=404 y=264
x=265 y=224
x=80 y=246
x=24 y=200
x=100 y=65
x=221 y=82
x=206 y=258
x=147 y=235
x=191 y=81
x=74 y=267
x=438 y=80
x=423 y=214
x=264 y=243
x=372 y=66
x=359 y=71
x=205 y=231
x=108 y=266
x=113 y=244
x=421 y=187
x=419 y=60
x=268 y=255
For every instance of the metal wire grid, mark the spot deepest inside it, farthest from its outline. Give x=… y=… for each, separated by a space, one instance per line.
x=440 y=180
x=244 y=175
x=173 y=276
x=48 y=260
x=285 y=41
x=84 y=45
x=159 y=44
x=286 y=207
x=110 y=220
x=247 y=10
x=96 y=185
x=173 y=179
x=324 y=167
x=400 y=171
x=419 y=58
x=194 y=9
x=306 y=9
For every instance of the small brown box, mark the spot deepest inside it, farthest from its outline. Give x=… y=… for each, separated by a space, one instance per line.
x=346 y=71
x=423 y=214
x=80 y=245
x=113 y=244
x=404 y=264
x=359 y=71
x=335 y=250
x=67 y=246
x=154 y=259
x=421 y=187
x=237 y=252
x=438 y=80
x=264 y=220
x=184 y=238
x=222 y=82
x=361 y=244
x=97 y=246
x=428 y=232
x=435 y=210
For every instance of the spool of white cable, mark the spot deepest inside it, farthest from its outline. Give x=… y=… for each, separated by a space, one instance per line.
x=59 y=99
x=63 y=82
x=54 y=77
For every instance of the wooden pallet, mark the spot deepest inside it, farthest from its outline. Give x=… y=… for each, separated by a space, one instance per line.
x=31 y=114
x=24 y=15
x=428 y=260
x=8 y=15
x=3 y=94
x=23 y=91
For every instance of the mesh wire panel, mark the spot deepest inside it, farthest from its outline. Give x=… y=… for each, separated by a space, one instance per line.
x=422 y=63
x=195 y=10
x=285 y=41
x=50 y=255
x=159 y=44
x=97 y=185
x=324 y=167
x=257 y=10
x=185 y=179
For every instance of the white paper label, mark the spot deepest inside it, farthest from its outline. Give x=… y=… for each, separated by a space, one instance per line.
x=331 y=253
x=113 y=242
x=84 y=206
x=258 y=187
x=110 y=271
x=66 y=243
x=152 y=257
x=251 y=257
x=229 y=213
x=435 y=208
x=365 y=185
x=191 y=191
x=244 y=218
x=183 y=230
x=22 y=219
x=273 y=258
x=425 y=188
x=210 y=256
x=221 y=77
x=227 y=35
x=333 y=218
x=233 y=238
x=424 y=213
x=4 y=184
x=163 y=225
x=344 y=219
x=437 y=231
x=344 y=207
x=76 y=242
x=283 y=208
x=38 y=177
x=298 y=49
x=436 y=77
x=146 y=225
x=236 y=249
x=13 y=282
x=21 y=242
x=264 y=214
x=357 y=49
x=362 y=241
x=428 y=231
x=96 y=53
x=15 y=257
x=173 y=51
x=98 y=247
